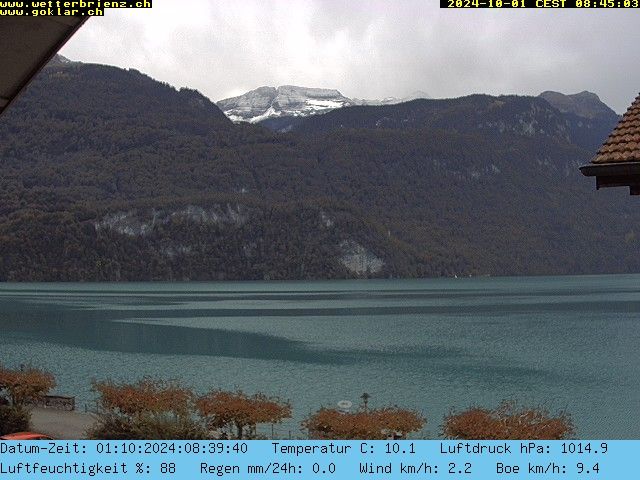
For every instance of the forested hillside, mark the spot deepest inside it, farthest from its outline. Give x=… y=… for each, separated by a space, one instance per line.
x=110 y=175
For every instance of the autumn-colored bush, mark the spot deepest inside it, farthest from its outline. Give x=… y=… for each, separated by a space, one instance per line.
x=377 y=424
x=507 y=422
x=146 y=410
x=13 y=419
x=238 y=413
x=148 y=396
x=24 y=385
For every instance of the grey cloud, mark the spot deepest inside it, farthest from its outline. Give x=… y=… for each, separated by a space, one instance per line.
x=370 y=49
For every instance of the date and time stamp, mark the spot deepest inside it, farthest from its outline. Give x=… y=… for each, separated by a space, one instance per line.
x=514 y=4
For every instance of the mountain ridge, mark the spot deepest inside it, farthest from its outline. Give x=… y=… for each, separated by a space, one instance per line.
x=584 y=104
x=282 y=108
x=108 y=174
x=527 y=116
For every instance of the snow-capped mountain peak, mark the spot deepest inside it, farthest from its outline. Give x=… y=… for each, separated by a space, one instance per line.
x=291 y=101
x=286 y=100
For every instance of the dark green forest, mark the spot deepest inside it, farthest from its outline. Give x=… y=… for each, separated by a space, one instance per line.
x=107 y=174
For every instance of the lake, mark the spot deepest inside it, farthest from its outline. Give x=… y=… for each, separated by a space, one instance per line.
x=561 y=342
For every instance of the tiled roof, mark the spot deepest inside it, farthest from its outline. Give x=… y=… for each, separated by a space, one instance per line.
x=623 y=145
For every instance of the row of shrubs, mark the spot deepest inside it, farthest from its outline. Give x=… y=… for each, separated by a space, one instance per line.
x=156 y=409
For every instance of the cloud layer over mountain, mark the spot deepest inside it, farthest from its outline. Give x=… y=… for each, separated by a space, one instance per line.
x=370 y=49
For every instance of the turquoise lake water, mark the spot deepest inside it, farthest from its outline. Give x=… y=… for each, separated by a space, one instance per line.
x=562 y=342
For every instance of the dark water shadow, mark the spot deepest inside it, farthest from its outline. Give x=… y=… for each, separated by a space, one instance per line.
x=104 y=331
x=470 y=311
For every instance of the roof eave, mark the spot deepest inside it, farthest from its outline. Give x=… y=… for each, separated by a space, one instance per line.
x=31 y=52
x=611 y=169
x=623 y=174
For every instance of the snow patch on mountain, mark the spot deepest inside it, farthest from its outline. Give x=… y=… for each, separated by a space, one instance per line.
x=392 y=100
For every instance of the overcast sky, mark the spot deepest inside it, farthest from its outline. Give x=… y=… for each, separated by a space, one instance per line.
x=370 y=48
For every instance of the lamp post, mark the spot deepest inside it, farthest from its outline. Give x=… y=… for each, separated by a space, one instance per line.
x=365 y=401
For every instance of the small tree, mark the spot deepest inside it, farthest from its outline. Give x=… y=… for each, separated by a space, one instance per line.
x=23 y=386
x=148 y=396
x=375 y=424
x=242 y=412
x=507 y=422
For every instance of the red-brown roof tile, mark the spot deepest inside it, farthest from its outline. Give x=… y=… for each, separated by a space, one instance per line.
x=623 y=145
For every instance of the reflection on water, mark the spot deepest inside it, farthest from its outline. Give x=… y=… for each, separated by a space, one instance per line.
x=565 y=342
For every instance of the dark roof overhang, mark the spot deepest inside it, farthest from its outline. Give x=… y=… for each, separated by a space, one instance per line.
x=26 y=46
x=623 y=174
